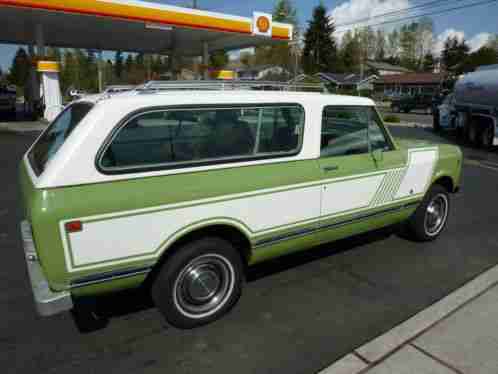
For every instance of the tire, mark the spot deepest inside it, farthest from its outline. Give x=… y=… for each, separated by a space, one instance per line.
x=431 y=216
x=180 y=293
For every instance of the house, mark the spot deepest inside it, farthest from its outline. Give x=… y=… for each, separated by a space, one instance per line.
x=262 y=72
x=347 y=81
x=383 y=68
x=412 y=83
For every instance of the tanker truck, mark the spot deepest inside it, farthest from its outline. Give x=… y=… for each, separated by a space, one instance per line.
x=476 y=106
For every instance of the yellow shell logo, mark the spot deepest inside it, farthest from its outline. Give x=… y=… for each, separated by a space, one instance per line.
x=263 y=24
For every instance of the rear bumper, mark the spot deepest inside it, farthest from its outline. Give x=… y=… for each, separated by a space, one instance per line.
x=47 y=302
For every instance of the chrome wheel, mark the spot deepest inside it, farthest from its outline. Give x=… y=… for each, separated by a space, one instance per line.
x=204 y=286
x=436 y=214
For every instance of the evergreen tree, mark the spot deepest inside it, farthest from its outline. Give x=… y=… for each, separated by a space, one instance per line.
x=19 y=70
x=428 y=63
x=320 y=51
x=454 y=55
x=351 y=51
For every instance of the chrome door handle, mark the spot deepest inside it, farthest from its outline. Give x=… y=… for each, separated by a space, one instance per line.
x=331 y=168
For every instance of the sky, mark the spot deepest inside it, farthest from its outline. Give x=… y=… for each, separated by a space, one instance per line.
x=474 y=24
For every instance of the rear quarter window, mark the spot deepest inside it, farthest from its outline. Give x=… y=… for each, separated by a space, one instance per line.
x=55 y=136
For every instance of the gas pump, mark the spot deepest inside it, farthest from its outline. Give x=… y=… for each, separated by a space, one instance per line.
x=51 y=97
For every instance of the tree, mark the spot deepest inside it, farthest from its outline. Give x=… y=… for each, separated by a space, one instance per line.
x=424 y=39
x=380 y=48
x=218 y=60
x=128 y=65
x=367 y=40
x=350 y=51
x=454 y=55
x=70 y=72
x=20 y=68
x=118 y=65
x=320 y=51
x=408 y=42
x=483 y=56
x=393 y=44
x=428 y=63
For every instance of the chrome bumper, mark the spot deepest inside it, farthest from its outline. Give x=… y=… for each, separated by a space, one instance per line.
x=47 y=301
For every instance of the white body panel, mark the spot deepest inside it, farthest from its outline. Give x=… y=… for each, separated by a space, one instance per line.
x=348 y=195
x=146 y=233
x=421 y=165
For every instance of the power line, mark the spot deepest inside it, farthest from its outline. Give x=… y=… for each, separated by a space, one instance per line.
x=424 y=15
x=429 y=4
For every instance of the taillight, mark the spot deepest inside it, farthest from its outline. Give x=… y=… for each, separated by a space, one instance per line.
x=74 y=226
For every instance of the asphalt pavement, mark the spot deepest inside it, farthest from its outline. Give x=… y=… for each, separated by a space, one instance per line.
x=297 y=314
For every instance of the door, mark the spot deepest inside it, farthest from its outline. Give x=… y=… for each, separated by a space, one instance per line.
x=348 y=168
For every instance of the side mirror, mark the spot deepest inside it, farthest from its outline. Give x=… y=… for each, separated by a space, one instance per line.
x=378 y=155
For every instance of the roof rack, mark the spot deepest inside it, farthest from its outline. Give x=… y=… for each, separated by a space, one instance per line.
x=230 y=85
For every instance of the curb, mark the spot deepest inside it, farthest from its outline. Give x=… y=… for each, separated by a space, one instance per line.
x=377 y=350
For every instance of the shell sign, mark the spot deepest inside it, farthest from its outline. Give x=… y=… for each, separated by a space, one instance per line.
x=262 y=24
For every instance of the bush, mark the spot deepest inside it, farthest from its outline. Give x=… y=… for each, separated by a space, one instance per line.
x=392 y=119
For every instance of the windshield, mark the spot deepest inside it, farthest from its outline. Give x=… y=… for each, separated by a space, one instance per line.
x=53 y=138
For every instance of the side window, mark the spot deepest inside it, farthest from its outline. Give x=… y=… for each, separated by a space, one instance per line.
x=344 y=131
x=378 y=138
x=171 y=138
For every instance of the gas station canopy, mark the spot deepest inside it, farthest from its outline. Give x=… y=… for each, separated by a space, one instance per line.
x=134 y=26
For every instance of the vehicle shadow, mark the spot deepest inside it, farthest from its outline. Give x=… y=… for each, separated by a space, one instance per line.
x=96 y=313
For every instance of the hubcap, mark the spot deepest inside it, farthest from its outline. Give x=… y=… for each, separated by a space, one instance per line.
x=203 y=285
x=436 y=214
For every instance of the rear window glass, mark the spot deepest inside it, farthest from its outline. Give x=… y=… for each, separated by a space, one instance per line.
x=53 y=138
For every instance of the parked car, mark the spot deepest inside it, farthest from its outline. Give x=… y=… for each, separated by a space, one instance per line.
x=8 y=99
x=183 y=191
x=476 y=103
x=408 y=103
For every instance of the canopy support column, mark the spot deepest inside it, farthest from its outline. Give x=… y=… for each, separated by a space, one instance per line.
x=40 y=40
x=205 y=59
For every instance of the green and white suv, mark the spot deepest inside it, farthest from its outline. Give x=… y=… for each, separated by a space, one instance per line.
x=185 y=190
